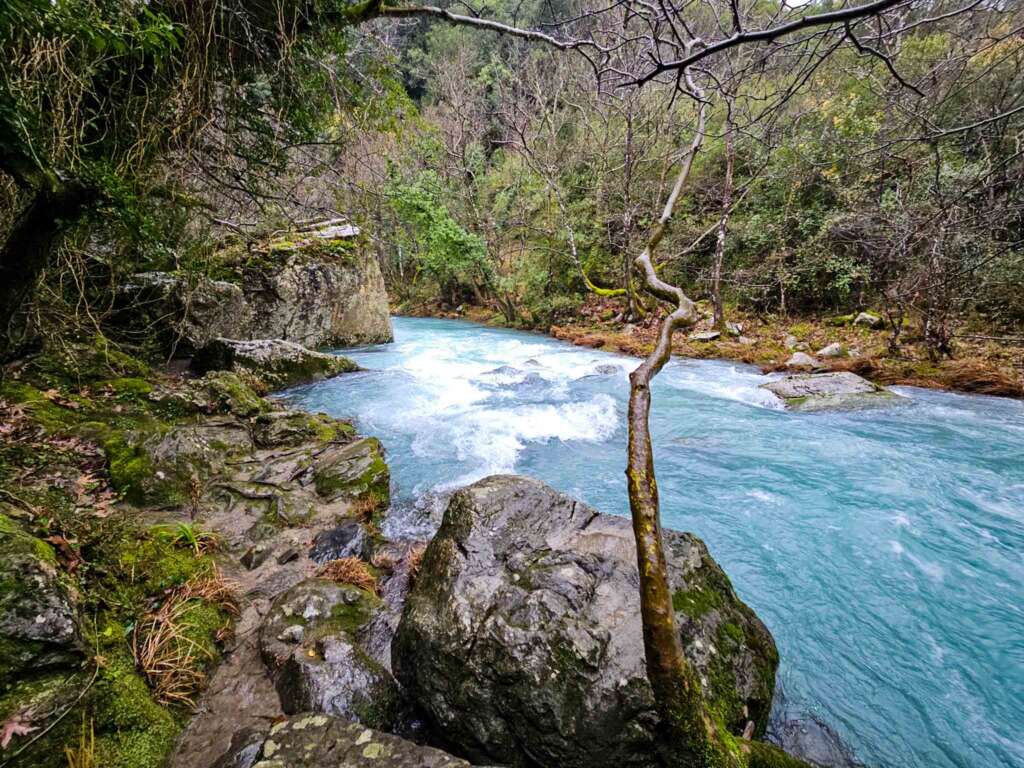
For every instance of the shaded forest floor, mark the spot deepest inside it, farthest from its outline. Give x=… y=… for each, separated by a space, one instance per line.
x=979 y=365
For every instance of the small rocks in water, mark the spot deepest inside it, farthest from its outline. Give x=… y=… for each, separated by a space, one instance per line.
x=347 y=540
x=812 y=392
x=867 y=319
x=734 y=329
x=791 y=342
x=606 y=369
x=704 y=336
x=801 y=360
x=322 y=741
x=521 y=638
x=832 y=350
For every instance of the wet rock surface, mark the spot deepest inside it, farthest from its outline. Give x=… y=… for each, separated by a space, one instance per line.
x=322 y=741
x=824 y=391
x=309 y=640
x=274 y=362
x=522 y=643
x=38 y=614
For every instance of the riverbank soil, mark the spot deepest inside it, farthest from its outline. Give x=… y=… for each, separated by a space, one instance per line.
x=983 y=362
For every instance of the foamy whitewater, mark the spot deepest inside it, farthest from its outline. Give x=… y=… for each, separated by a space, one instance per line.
x=884 y=549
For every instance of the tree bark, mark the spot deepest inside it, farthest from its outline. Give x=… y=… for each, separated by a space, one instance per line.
x=723 y=224
x=28 y=248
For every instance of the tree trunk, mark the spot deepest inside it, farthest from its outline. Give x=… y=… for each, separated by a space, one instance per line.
x=723 y=223
x=28 y=249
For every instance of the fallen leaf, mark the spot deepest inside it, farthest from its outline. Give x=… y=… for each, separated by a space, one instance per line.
x=17 y=724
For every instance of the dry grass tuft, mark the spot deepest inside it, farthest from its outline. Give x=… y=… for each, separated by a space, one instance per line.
x=83 y=755
x=165 y=653
x=350 y=570
x=415 y=558
x=364 y=507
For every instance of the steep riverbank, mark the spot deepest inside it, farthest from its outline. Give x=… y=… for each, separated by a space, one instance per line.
x=984 y=363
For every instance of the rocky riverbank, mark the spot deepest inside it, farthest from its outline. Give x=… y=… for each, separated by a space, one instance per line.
x=857 y=342
x=194 y=576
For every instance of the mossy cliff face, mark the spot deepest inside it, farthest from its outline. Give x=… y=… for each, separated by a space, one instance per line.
x=522 y=643
x=309 y=290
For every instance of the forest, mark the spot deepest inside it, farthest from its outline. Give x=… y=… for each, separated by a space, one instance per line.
x=324 y=322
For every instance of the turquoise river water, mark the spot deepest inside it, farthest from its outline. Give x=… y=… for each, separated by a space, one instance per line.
x=884 y=548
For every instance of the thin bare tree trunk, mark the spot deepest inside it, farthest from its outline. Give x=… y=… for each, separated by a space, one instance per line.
x=689 y=735
x=723 y=224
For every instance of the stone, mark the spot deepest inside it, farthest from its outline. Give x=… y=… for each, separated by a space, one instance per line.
x=801 y=360
x=346 y=540
x=832 y=350
x=255 y=556
x=288 y=556
x=790 y=342
x=521 y=639
x=704 y=336
x=309 y=642
x=869 y=320
x=317 y=292
x=352 y=469
x=734 y=329
x=275 y=362
x=823 y=391
x=38 y=610
x=746 y=341
x=322 y=741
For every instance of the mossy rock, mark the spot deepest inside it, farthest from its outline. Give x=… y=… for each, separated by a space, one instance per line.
x=290 y=428
x=38 y=612
x=310 y=642
x=275 y=362
x=353 y=469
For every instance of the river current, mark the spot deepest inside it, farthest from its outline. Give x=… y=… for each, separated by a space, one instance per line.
x=883 y=548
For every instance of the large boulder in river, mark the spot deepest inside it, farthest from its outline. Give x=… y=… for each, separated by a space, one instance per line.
x=321 y=741
x=522 y=642
x=827 y=391
x=38 y=624
x=313 y=292
x=275 y=362
x=309 y=640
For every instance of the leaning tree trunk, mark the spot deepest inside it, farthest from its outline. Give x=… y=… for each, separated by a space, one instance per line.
x=690 y=737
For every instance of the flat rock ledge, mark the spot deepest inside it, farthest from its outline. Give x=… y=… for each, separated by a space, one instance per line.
x=829 y=391
x=323 y=741
x=276 y=362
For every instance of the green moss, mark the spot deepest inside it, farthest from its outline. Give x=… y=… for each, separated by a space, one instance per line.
x=130 y=386
x=350 y=617
x=696 y=602
x=764 y=755
x=233 y=395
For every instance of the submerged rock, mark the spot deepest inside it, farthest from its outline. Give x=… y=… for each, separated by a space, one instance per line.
x=322 y=741
x=276 y=362
x=38 y=618
x=309 y=641
x=522 y=642
x=822 y=391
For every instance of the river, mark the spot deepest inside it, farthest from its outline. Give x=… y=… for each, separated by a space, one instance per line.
x=883 y=548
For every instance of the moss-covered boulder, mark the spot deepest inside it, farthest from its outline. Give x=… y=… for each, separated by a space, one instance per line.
x=38 y=618
x=522 y=643
x=275 y=362
x=310 y=642
x=322 y=741
x=830 y=391
x=353 y=469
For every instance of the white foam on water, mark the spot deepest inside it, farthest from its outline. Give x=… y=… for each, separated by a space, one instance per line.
x=726 y=382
